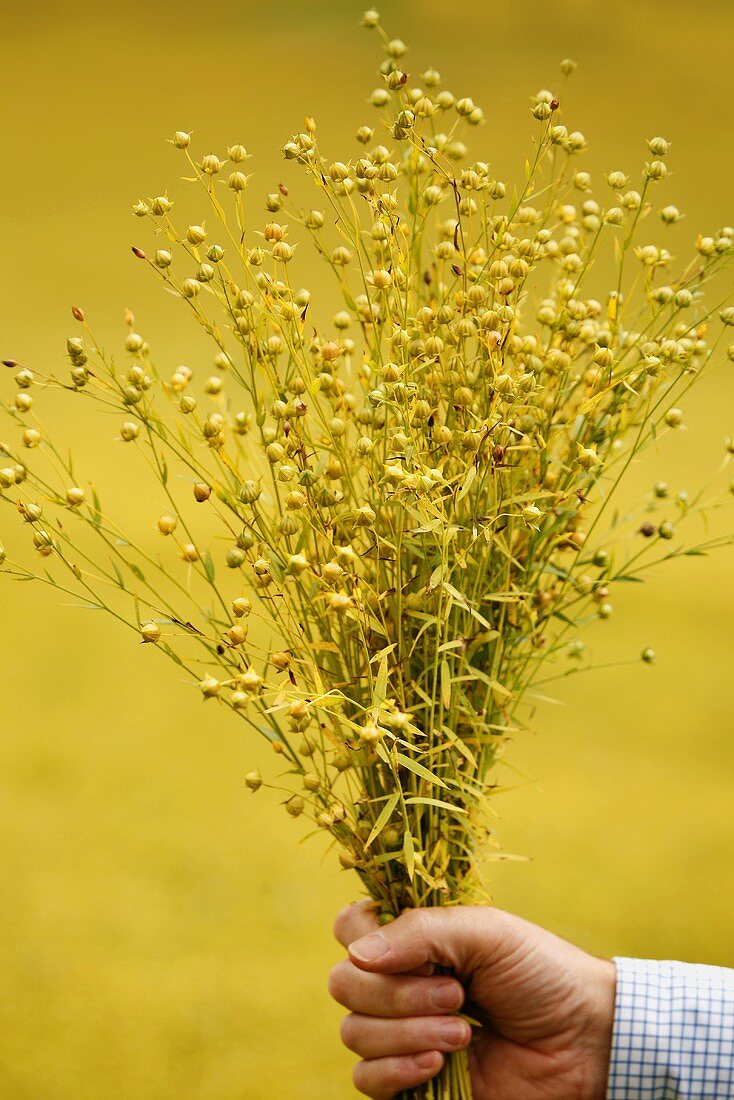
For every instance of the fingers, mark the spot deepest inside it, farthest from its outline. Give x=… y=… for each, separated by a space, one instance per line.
x=398 y=1023
x=450 y=937
x=371 y=1037
x=384 y=1078
x=393 y=995
x=358 y=920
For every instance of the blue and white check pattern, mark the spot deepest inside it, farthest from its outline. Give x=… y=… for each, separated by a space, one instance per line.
x=673 y=1032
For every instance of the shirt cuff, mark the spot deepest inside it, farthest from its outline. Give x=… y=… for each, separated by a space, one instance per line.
x=673 y=1033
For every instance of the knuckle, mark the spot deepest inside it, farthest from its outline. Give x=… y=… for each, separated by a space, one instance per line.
x=411 y=919
x=411 y=997
x=338 y=983
x=341 y=921
x=397 y=1074
x=349 y=1031
x=361 y=1077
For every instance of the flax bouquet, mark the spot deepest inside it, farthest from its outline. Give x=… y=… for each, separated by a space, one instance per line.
x=378 y=529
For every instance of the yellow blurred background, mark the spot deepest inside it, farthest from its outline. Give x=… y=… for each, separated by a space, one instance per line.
x=163 y=933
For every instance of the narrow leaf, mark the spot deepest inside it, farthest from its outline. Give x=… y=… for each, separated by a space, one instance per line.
x=385 y=814
x=419 y=770
x=409 y=853
x=416 y=801
x=209 y=567
x=471 y=473
x=380 y=692
x=97 y=510
x=445 y=684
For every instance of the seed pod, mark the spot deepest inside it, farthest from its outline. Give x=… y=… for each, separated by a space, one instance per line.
x=396 y=80
x=275 y=452
x=235 y=557
x=211 y=164
x=241 y=606
x=202 y=492
x=43 y=543
x=370 y=734
x=296 y=500
x=189 y=552
x=656 y=170
x=131 y=395
x=332 y=572
x=150 y=632
x=31 y=437
x=365 y=516
x=670 y=215
x=75 y=496
x=167 y=524
x=364 y=445
x=249 y=492
x=210 y=687
x=587 y=457
x=295 y=806
x=31 y=512
x=250 y=681
x=297 y=564
x=237 y=634
x=161 y=205
x=237 y=181
x=263 y=571
x=254 y=781
x=339 y=603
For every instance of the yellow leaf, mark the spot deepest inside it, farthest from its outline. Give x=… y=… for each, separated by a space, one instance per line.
x=384 y=816
x=409 y=853
x=445 y=684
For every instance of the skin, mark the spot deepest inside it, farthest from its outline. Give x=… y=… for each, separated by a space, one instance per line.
x=546 y=1008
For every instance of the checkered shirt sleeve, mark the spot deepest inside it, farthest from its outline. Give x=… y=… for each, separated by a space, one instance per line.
x=673 y=1032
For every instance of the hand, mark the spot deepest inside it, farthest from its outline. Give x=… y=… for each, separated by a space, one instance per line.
x=546 y=1007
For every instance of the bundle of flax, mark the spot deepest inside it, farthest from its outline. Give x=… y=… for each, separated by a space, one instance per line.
x=379 y=531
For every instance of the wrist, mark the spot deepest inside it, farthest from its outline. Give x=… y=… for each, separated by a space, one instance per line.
x=600 y=1024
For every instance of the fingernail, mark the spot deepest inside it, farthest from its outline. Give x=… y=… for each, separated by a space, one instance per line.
x=446 y=996
x=369 y=948
x=425 y=1060
x=453 y=1033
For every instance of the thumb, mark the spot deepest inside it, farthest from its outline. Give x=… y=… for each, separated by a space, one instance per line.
x=451 y=937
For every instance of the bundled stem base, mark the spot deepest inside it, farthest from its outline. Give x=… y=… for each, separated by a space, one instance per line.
x=452 y=1083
